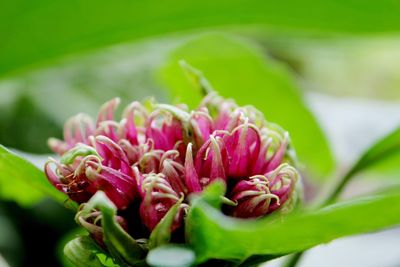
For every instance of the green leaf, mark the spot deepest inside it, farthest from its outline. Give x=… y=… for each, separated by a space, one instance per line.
x=161 y=234
x=171 y=256
x=122 y=247
x=385 y=149
x=237 y=69
x=215 y=235
x=22 y=182
x=82 y=251
x=78 y=238
x=63 y=241
x=40 y=31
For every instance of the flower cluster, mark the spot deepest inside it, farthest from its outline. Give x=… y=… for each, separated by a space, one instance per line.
x=159 y=154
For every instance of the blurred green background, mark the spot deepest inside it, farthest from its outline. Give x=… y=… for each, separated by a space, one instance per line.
x=328 y=71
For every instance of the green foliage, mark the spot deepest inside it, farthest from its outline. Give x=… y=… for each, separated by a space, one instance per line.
x=238 y=70
x=82 y=251
x=384 y=150
x=22 y=182
x=36 y=32
x=214 y=235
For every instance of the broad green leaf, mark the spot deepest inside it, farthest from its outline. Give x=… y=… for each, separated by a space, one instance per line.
x=237 y=69
x=122 y=247
x=385 y=149
x=22 y=182
x=81 y=252
x=171 y=256
x=161 y=234
x=35 y=32
x=215 y=235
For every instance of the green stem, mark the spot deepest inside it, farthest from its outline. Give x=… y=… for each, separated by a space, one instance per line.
x=294 y=259
x=197 y=78
x=332 y=197
x=337 y=190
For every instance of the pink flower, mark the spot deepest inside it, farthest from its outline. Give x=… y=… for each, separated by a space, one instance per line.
x=159 y=155
x=158 y=197
x=81 y=175
x=262 y=194
x=210 y=163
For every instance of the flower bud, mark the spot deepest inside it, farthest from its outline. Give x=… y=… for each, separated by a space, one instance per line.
x=164 y=129
x=263 y=194
x=201 y=125
x=243 y=146
x=158 y=154
x=210 y=163
x=81 y=176
x=173 y=171
x=158 y=198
